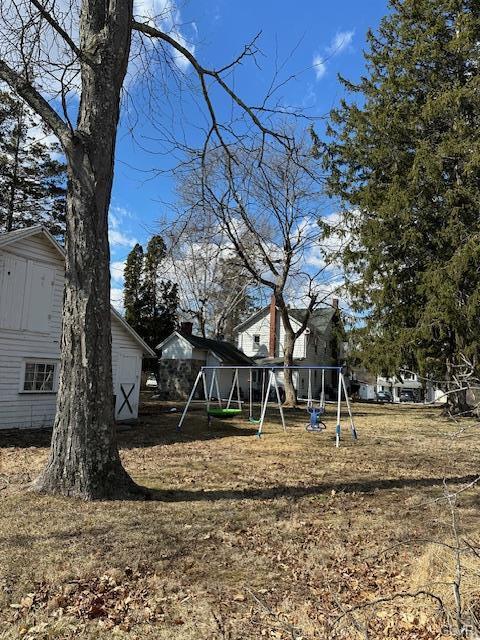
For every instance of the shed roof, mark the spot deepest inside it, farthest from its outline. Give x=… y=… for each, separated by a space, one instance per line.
x=228 y=352
x=225 y=351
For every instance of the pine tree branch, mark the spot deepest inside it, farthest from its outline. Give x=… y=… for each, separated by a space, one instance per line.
x=37 y=102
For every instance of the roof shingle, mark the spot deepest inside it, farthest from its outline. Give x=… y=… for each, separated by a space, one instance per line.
x=226 y=351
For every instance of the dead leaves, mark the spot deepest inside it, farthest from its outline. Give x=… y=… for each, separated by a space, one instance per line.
x=115 y=598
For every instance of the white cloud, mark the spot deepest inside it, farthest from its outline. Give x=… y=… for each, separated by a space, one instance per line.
x=166 y=15
x=119 y=239
x=116 y=220
x=117 y=215
x=319 y=66
x=340 y=42
x=117 y=269
x=116 y=299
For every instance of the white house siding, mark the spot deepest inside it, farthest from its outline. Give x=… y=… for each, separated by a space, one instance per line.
x=177 y=349
x=23 y=344
x=261 y=326
x=299 y=349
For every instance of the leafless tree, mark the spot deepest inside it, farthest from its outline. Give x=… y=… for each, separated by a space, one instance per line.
x=268 y=201
x=214 y=286
x=51 y=50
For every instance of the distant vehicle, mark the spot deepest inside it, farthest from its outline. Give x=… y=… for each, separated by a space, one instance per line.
x=151 y=381
x=384 y=396
x=407 y=396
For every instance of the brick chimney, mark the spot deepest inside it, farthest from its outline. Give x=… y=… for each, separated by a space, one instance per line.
x=273 y=328
x=186 y=328
x=335 y=303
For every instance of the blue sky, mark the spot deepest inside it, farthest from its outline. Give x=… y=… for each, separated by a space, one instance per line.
x=313 y=39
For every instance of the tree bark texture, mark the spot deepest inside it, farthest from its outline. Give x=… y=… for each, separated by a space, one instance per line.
x=84 y=459
x=288 y=347
x=456 y=400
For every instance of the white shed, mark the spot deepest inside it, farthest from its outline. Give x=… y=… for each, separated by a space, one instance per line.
x=183 y=355
x=31 y=292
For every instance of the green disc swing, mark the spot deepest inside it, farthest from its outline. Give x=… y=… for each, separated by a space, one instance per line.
x=221 y=412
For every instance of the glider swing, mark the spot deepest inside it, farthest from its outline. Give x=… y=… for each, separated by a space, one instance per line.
x=227 y=411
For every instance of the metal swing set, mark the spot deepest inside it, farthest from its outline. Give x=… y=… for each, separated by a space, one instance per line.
x=226 y=407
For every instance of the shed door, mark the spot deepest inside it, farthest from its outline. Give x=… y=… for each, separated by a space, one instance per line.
x=38 y=297
x=12 y=287
x=128 y=386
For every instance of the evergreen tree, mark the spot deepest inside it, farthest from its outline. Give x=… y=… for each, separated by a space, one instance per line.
x=132 y=292
x=151 y=303
x=405 y=160
x=32 y=187
x=159 y=297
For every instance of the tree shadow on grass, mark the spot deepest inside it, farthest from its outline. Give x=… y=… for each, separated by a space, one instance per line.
x=138 y=435
x=299 y=491
x=151 y=435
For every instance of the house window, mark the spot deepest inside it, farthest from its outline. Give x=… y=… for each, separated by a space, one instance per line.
x=39 y=377
x=256 y=340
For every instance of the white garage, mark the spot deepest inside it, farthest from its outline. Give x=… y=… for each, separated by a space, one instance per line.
x=31 y=294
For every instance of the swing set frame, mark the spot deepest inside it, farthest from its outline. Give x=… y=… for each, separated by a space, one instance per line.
x=225 y=411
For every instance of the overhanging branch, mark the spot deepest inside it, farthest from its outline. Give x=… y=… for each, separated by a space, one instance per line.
x=202 y=73
x=37 y=102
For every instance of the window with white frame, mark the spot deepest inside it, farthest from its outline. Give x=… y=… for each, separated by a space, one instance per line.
x=256 y=340
x=39 y=377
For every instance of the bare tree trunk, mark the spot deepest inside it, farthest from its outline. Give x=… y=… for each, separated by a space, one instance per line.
x=290 y=393
x=457 y=400
x=288 y=347
x=84 y=459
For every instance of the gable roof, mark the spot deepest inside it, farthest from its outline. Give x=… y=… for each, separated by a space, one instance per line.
x=319 y=318
x=227 y=352
x=21 y=234
x=224 y=351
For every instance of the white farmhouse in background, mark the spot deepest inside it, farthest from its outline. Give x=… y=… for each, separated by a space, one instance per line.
x=262 y=337
x=32 y=273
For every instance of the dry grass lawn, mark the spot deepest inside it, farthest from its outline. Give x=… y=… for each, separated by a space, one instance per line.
x=279 y=537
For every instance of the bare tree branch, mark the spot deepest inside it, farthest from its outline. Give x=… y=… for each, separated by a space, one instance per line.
x=37 y=102
x=47 y=15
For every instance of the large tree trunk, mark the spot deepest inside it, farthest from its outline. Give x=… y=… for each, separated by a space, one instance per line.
x=288 y=347
x=84 y=459
x=290 y=393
